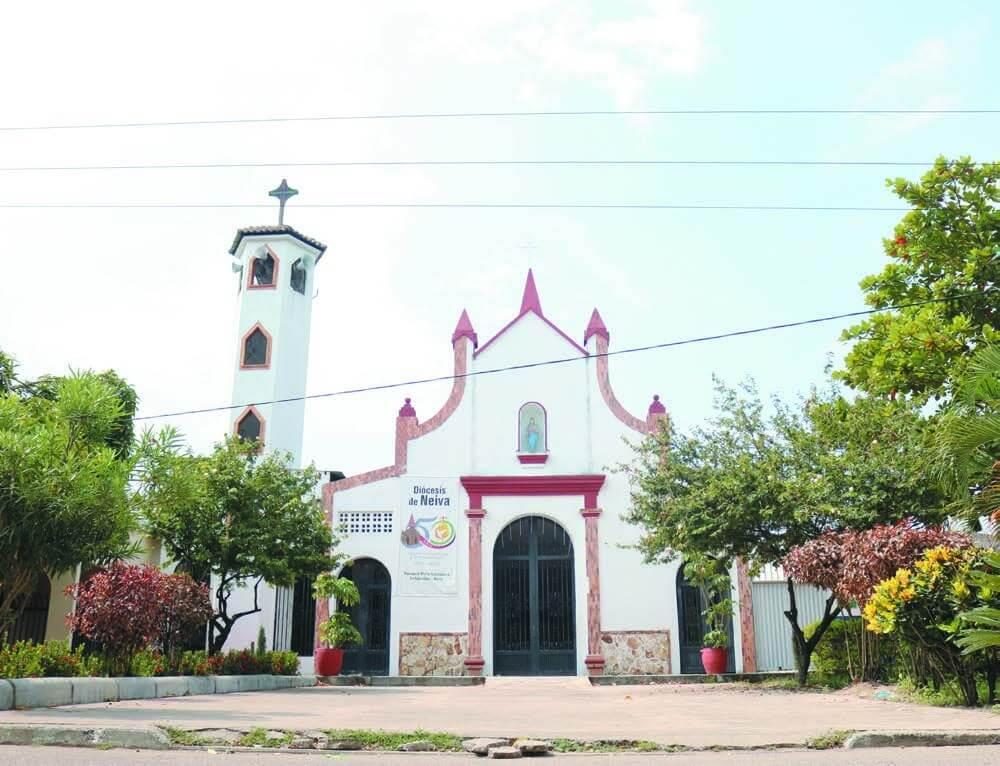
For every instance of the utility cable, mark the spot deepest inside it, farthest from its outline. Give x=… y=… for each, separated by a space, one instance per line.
x=497 y=115
x=564 y=360
x=460 y=163
x=447 y=205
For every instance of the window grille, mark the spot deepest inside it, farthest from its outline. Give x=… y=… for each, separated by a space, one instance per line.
x=366 y=522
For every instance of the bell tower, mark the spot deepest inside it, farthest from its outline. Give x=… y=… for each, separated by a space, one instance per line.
x=275 y=266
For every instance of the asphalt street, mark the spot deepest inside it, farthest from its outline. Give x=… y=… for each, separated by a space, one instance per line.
x=917 y=756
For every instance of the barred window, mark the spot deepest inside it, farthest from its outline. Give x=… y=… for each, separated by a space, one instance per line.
x=366 y=522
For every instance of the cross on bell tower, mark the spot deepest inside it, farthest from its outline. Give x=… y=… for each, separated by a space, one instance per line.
x=283 y=193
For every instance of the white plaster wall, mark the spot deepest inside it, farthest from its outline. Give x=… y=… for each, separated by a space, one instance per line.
x=286 y=315
x=407 y=614
x=480 y=438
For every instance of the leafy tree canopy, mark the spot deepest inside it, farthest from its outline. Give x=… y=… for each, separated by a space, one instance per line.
x=970 y=439
x=63 y=489
x=754 y=486
x=949 y=244
x=237 y=515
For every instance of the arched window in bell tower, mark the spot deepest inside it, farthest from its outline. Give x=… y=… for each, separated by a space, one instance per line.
x=256 y=348
x=299 y=277
x=250 y=425
x=263 y=270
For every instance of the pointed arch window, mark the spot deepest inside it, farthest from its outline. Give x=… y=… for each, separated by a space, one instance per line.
x=263 y=271
x=532 y=433
x=256 y=348
x=298 y=280
x=250 y=425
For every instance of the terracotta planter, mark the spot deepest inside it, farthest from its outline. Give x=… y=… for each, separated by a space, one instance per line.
x=713 y=659
x=328 y=662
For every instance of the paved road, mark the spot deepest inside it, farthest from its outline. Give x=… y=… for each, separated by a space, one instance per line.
x=918 y=756
x=694 y=715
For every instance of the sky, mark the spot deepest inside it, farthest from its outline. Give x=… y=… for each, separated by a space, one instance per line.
x=150 y=292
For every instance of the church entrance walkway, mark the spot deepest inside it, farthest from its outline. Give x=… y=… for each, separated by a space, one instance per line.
x=686 y=714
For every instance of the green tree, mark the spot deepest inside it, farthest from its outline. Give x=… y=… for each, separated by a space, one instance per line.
x=753 y=486
x=970 y=439
x=948 y=244
x=236 y=516
x=63 y=489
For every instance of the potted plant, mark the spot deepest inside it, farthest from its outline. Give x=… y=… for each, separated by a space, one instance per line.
x=338 y=631
x=713 y=652
x=712 y=578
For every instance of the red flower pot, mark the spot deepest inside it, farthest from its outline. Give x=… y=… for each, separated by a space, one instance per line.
x=713 y=659
x=328 y=661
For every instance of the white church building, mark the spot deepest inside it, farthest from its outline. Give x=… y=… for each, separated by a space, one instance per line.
x=493 y=543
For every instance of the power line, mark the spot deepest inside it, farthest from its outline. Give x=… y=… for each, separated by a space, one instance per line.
x=564 y=360
x=461 y=163
x=446 y=205
x=476 y=115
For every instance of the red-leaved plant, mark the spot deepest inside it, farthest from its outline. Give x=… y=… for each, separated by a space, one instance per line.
x=126 y=608
x=852 y=563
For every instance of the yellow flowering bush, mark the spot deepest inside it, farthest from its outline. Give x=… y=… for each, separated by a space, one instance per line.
x=922 y=605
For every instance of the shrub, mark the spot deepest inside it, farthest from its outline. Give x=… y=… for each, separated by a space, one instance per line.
x=922 y=606
x=239 y=662
x=26 y=659
x=847 y=649
x=185 y=607
x=148 y=663
x=127 y=608
x=284 y=663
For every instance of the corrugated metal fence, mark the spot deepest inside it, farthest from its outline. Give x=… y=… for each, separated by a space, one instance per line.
x=771 y=629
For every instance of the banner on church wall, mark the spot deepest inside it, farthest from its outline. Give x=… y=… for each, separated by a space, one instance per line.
x=428 y=547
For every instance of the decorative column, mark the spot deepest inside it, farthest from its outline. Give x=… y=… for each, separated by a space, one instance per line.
x=748 y=640
x=474 y=662
x=594 y=660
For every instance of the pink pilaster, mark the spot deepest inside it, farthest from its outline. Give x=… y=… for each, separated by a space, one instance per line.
x=474 y=662
x=748 y=638
x=594 y=660
x=322 y=604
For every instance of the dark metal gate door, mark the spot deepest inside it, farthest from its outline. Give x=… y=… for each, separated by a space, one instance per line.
x=534 y=631
x=370 y=617
x=690 y=605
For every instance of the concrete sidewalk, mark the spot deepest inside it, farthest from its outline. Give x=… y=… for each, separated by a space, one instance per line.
x=694 y=715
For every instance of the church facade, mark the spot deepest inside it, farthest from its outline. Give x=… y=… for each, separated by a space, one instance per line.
x=492 y=543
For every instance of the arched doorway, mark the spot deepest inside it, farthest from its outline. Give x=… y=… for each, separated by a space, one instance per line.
x=370 y=617
x=534 y=630
x=691 y=621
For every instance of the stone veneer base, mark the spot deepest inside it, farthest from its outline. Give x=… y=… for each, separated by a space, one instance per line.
x=26 y=693
x=687 y=678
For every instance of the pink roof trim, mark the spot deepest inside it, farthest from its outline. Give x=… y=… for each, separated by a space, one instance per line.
x=530 y=300
x=530 y=303
x=515 y=320
x=464 y=330
x=596 y=326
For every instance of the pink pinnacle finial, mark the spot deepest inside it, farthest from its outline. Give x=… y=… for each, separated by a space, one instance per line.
x=656 y=407
x=407 y=411
x=596 y=326
x=464 y=330
x=530 y=301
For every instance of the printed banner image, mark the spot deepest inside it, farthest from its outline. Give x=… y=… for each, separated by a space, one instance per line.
x=428 y=552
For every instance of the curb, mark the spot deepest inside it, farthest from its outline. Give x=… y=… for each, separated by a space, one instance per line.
x=921 y=739
x=27 y=693
x=83 y=736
